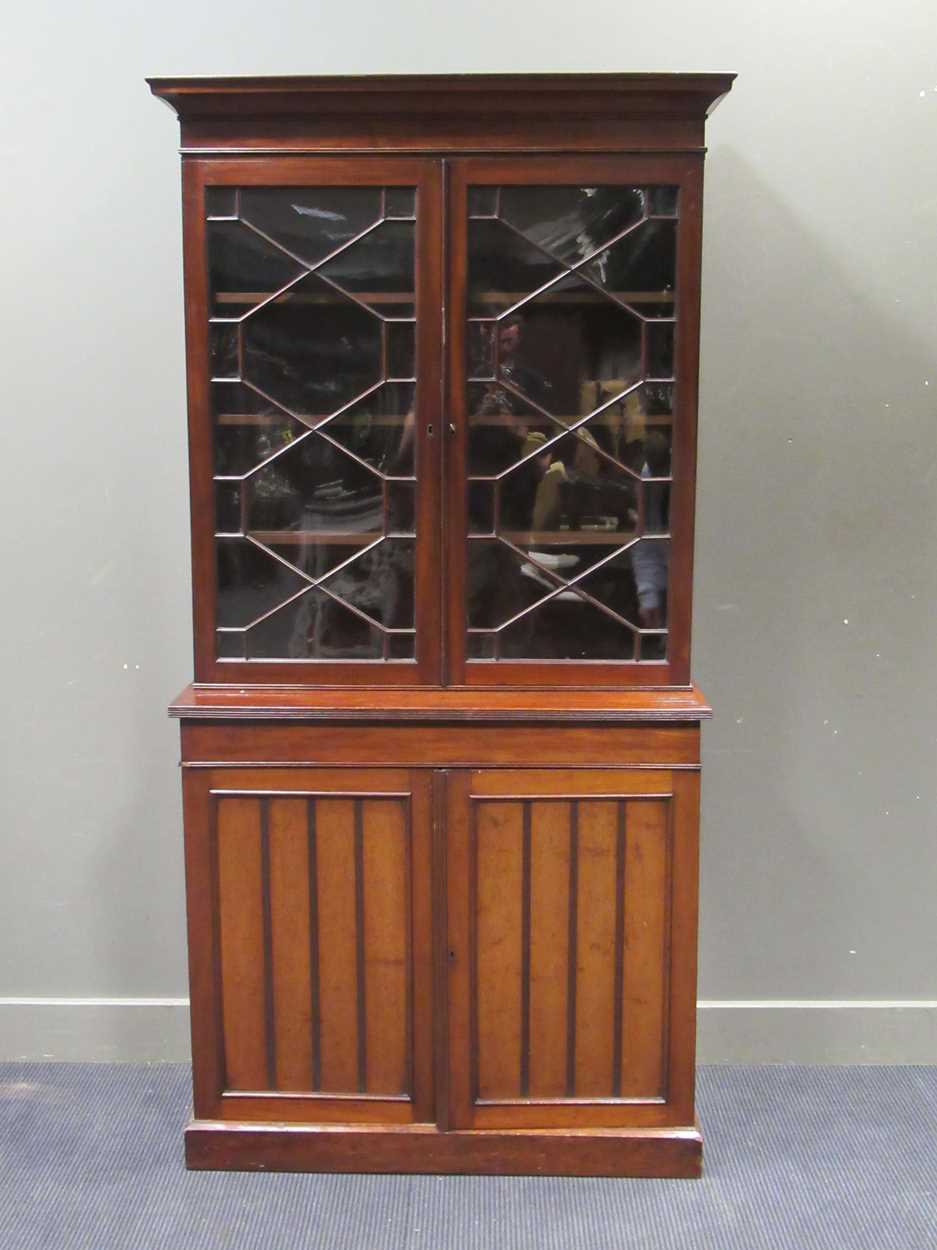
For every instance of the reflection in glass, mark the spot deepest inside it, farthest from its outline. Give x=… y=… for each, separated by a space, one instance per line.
x=310 y=222
x=314 y=486
x=570 y=359
x=572 y=222
x=559 y=344
x=481 y=349
x=379 y=429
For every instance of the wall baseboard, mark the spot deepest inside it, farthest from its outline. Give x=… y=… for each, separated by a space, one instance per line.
x=812 y=1031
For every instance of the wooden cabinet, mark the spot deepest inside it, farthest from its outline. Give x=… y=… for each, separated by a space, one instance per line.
x=441 y=753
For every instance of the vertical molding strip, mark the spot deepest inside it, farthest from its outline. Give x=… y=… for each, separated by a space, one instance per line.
x=359 y=949
x=269 y=1018
x=473 y=950
x=572 y=954
x=315 y=1014
x=619 y=988
x=407 y=804
x=525 y=952
x=667 y=948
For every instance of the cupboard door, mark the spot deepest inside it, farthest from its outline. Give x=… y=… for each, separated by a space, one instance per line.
x=572 y=956
x=313 y=315
x=572 y=358
x=310 y=944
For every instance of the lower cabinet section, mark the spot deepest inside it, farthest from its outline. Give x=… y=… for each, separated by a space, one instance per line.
x=425 y=969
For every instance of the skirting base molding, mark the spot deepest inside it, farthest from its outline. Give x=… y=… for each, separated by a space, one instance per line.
x=811 y=1031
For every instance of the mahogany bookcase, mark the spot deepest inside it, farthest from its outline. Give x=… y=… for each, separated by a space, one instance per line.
x=441 y=754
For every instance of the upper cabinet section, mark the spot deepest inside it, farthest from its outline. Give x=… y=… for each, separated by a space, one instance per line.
x=442 y=348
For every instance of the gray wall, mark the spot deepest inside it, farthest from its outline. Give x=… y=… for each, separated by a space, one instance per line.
x=815 y=555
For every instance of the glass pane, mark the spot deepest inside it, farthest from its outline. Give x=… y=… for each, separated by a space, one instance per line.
x=568 y=627
x=379 y=269
x=572 y=222
x=228 y=507
x=230 y=646
x=400 y=337
x=481 y=349
x=314 y=486
x=313 y=405
x=379 y=583
x=560 y=343
x=640 y=269
x=315 y=627
x=660 y=341
x=224 y=350
x=503 y=268
x=483 y=201
x=400 y=202
x=220 y=202
x=243 y=269
x=572 y=295
x=634 y=583
x=312 y=350
x=401 y=508
x=310 y=222
x=248 y=428
x=250 y=582
x=379 y=429
x=401 y=646
x=662 y=201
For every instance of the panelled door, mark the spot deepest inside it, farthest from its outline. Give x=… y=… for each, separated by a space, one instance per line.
x=571 y=914
x=310 y=937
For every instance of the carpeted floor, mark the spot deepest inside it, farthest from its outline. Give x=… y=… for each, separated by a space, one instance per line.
x=796 y=1159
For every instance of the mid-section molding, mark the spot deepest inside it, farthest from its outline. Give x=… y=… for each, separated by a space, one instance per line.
x=642 y=704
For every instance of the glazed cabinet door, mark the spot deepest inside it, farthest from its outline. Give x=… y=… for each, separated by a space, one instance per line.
x=572 y=949
x=309 y=938
x=573 y=346
x=313 y=301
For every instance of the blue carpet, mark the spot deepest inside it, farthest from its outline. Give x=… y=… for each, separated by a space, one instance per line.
x=796 y=1159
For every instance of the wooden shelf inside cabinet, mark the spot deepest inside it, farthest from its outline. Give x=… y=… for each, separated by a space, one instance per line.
x=337 y=538
x=316 y=297
x=441 y=773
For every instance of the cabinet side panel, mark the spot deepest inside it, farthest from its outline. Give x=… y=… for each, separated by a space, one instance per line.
x=243 y=971
x=549 y=948
x=646 y=948
x=289 y=907
x=386 y=896
x=338 y=944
